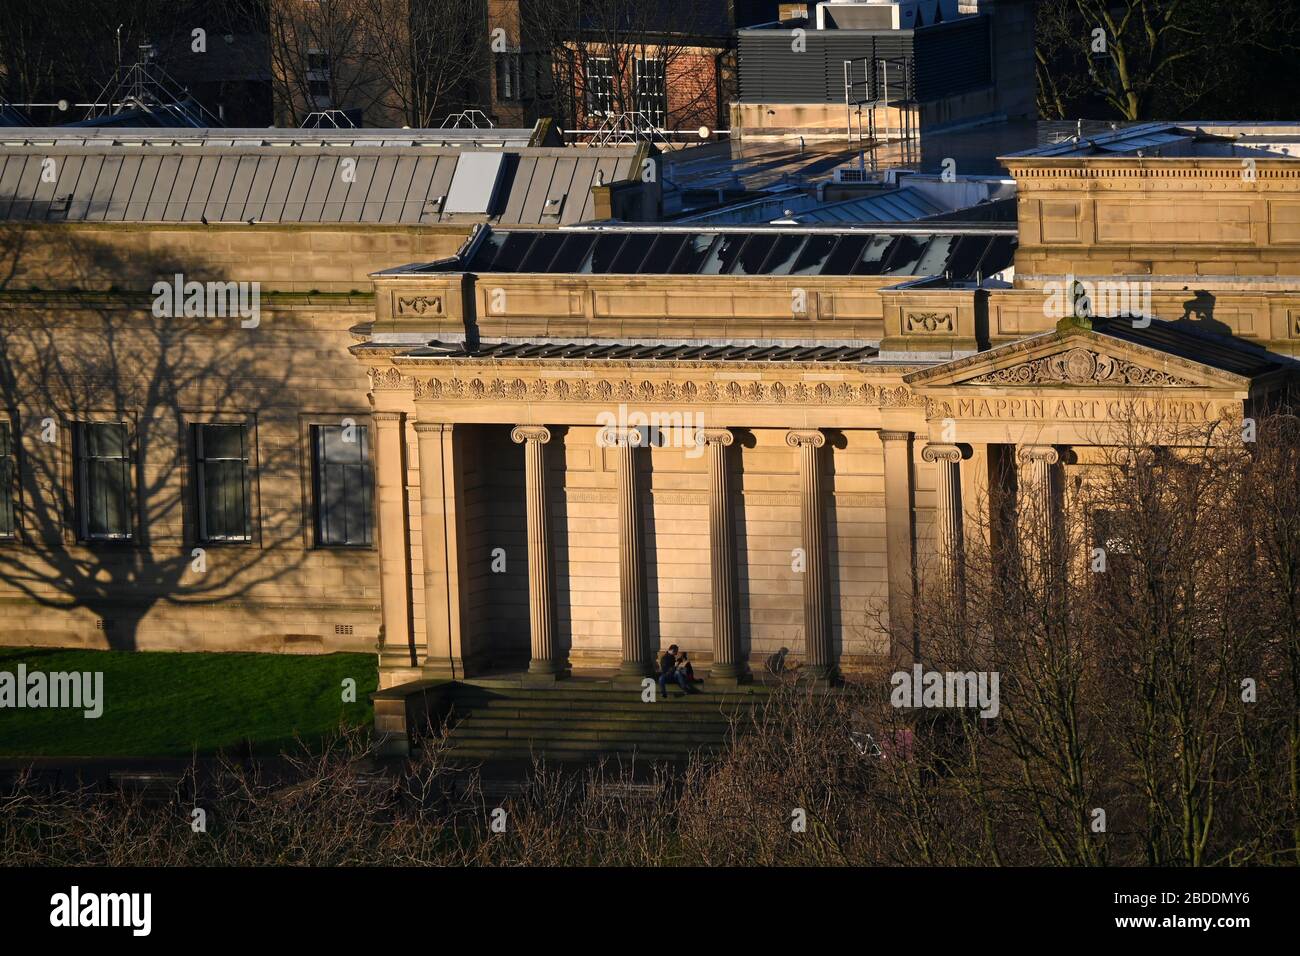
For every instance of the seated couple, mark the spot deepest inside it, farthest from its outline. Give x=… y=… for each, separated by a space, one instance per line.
x=674 y=665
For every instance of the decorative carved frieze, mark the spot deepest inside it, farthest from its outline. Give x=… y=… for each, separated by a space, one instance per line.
x=663 y=391
x=928 y=322
x=1080 y=366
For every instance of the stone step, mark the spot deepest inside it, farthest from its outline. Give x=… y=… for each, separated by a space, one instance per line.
x=542 y=710
x=614 y=721
x=677 y=705
x=476 y=728
x=570 y=751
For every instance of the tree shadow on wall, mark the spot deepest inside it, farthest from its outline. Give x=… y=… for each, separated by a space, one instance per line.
x=69 y=357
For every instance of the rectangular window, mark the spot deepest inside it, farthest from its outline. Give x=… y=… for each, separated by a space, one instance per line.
x=221 y=483
x=343 y=485
x=103 y=481
x=318 y=77
x=8 y=482
x=600 y=86
x=652 y=90
x=508 y=70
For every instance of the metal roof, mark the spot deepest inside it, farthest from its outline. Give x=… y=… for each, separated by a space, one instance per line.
x=23 y=135
x=958 y=254
x=625 y=351
x=900 y=205
x=293 y=182
x=1189 y=339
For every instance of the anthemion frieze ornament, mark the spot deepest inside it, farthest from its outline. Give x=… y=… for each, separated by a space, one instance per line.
x=1080 y=366
x=667 y=390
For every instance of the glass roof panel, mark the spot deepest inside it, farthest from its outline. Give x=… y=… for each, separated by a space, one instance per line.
x=694 y=252
x=662 y=254
x=814 y=254
x=572 y=253
x=750 y=260
x=845 y=257
x=783 y=256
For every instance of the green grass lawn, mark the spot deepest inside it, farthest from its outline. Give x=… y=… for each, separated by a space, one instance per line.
x=159 y=704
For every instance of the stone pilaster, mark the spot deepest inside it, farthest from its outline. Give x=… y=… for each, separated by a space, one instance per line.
x=638 y=659
x=442 y=535
x=727 y=665
x=817 y=637
x=900 y=540
x=949 y=543
x=399 y=647
x=543 y=663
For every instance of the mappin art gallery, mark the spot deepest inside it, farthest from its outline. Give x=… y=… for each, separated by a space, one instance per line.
x=496 y=415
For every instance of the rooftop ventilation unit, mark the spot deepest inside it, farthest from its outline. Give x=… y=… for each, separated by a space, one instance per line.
x=884 y=14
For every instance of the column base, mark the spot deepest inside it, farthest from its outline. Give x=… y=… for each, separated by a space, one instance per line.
x=444 y=670
x=728 y=675
x=544 y=672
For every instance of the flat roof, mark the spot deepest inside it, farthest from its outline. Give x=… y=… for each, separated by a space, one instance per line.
x=1178 y=141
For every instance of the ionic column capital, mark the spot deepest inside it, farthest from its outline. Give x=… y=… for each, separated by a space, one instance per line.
x=613 y=436
x=530 y=433
x=717 y=436
x=804 y=437
x=1046 y=454
x=940 y=452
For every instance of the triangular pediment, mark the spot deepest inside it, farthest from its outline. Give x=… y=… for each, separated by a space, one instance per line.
x=1077 y=358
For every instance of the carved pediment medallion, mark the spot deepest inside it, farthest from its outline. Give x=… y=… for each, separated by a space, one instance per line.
x=1080 y=366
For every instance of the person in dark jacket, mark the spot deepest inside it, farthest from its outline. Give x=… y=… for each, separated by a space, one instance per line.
x=668 y=668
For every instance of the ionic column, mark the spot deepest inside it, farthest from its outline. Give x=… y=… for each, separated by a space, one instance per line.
x=817 y=645
x=1036 y=518
x=442 y=526
x=394 y=545
x=727 y=665
x=541 y=614
x=637 y=658
x=947 y=512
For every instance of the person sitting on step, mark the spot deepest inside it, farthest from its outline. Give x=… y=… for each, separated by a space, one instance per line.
x=684 y=667
x=668 y=668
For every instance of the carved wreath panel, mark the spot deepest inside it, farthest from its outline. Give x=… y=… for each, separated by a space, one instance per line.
x=1080 y=366
x=927 y=322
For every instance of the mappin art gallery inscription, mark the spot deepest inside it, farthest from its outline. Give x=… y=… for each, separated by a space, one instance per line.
x=1085 y=409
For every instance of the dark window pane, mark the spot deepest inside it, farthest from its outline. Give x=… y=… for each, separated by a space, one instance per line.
x=222 y=483
x=813 y=255
x=873 y=256
x=935 y=258
x=487 y=251
x=999 y=256
x=845 y=257
x=633 y=252
x=783 y=256
x=903 y=255
x=103 y=481
x=343 y=486
x=601 y=258
x=512 y=253
x=662 y=254
x=572 y=253
x=967 y=254
x=694 y=252
x=751 y=258
x=543 y=251
x=722 y=255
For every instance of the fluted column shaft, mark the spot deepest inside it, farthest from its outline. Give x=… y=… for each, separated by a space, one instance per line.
x=1036 y=525
x=817 y=645
x=722 y=560
x=637 y=659
x=394 y=557
x=947 y=512
x=541 y=612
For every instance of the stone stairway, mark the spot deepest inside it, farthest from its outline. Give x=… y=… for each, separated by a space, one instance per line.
x=582 y=719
